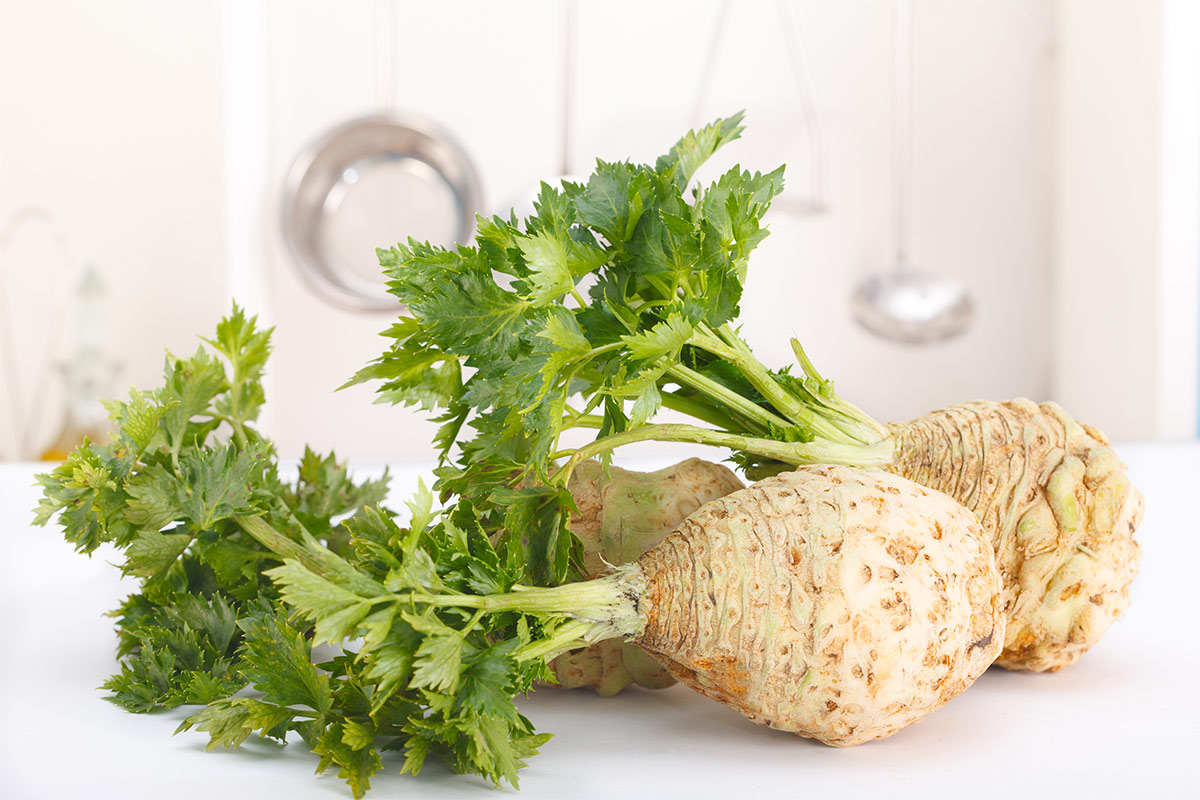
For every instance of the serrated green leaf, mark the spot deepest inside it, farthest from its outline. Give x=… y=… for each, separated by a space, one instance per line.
x=416 y=571
x=487 y=685
x=390 y=663
x=336 y=610
x=438 y=661
x=324 y=488
x=562 y=330
x=462 y=309
x=663 y=340
x=420 y=507
x=416 y=748
x=613 y=200
x=277 y=663
x=190 y=387
x=356 y=766
x=230 y=721
x=412 y=372
x=696 y=147
x=492 y=749
x=217 y=483
x=357 y=735
x=247 y=349
x=239 y=340
x=648 y=401
x=152 y=552
x=549 y=275
x=234 y=562
x=554 y=212
x=137 y=420
x=154 y=498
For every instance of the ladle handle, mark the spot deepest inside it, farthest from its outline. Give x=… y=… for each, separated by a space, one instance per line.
x=810 y=104
x=902 y=129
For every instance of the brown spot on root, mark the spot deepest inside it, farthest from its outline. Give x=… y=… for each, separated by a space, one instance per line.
x=1071 y=591
x=1096 y=600
x=903 y=551
x=984 y=642
x=724 y=672
x=861 y=630
x=718 y=678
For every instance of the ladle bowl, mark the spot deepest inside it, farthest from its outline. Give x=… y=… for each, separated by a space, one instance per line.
x=912 y=306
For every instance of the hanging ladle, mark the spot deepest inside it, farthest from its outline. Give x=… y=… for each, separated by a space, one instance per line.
x=907 y=304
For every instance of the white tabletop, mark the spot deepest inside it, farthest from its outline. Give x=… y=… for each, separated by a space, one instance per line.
x=1124 y=721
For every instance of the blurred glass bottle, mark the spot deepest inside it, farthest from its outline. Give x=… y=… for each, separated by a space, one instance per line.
x=88 y=374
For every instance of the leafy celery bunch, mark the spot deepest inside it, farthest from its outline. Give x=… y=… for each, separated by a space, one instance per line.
x=615 y=299
x=184 y=463
x=242 y=573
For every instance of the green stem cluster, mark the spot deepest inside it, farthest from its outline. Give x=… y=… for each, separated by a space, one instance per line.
x=798 y=421
x=603 y=608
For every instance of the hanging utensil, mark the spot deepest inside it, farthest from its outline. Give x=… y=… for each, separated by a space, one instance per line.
x=371 y=182
x=904 y=303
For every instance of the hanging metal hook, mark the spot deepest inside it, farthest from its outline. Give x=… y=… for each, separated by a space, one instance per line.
x=810 y=104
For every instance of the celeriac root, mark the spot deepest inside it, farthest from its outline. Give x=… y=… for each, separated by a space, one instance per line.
x=1052 y=497
x=830 y=602
x=622 y=514
x=1057 y=505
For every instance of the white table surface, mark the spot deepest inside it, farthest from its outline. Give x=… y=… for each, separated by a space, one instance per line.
x=1125 y=721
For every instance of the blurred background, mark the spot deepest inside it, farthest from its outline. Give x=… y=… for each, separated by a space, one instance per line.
x=158 y=160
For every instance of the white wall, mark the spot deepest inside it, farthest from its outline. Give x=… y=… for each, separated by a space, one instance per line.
x=111 y=119
x=137 y=125
x=982 y=185
x=1127 y=254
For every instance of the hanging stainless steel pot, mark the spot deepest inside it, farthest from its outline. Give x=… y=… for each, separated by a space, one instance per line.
x=371 y=182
